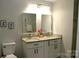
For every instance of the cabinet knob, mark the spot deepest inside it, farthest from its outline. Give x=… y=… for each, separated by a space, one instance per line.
x=55 y=46
x=37 y=50
x=48 y=43
x=34 y=51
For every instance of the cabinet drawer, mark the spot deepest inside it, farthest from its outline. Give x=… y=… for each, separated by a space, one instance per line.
x=34 y=44
x=57 y=41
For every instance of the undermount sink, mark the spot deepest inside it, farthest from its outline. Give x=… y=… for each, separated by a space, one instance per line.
x=37 y=38
x=30 y=39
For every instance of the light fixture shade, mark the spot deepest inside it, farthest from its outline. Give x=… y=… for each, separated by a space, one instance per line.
x=50 y=0
x=37 y=9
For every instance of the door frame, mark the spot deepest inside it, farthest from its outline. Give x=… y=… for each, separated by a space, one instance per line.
x=75 y=26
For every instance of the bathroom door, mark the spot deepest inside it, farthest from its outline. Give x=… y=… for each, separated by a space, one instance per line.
x=77 y=42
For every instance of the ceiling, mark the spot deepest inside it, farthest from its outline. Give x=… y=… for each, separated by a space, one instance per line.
x=50 y=0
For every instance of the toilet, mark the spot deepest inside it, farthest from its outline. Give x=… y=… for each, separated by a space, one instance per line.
x=8 y=50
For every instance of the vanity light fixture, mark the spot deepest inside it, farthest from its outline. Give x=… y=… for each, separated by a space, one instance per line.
x=37 y=8
x=50 y=0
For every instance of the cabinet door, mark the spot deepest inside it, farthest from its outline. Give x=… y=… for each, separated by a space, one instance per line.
x=51 y=51
x=24 y=49
x=31 y=50
x=40 y=52
x=54 y=49
x=57 y=49
x=34 y=52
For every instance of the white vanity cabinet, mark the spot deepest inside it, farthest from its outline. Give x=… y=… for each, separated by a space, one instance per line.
x=54 y=48
x=33 y=50
x=43 y=49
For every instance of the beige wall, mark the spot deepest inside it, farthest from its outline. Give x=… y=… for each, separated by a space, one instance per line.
x=63 y=21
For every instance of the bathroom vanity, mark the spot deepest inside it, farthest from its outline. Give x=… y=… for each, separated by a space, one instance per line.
x=42 y=47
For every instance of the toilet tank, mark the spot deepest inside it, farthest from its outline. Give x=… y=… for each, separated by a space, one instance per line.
x=8 y=48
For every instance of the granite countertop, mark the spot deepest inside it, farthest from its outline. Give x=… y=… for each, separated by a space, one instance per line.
x=45 y=38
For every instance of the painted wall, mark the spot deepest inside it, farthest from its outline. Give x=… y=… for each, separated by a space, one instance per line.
x=11 y=11
x=77 y=44
x=63 y=21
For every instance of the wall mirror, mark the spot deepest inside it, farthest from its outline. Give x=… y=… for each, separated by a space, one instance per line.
x=28 y=23
x=46 y=23
x=33 y=22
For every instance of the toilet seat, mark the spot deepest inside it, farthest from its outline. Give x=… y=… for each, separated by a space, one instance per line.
x=10 y=56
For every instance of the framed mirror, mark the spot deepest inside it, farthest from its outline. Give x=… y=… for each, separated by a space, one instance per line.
x=28 y=23
x=46 y=23
x=33 y=22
